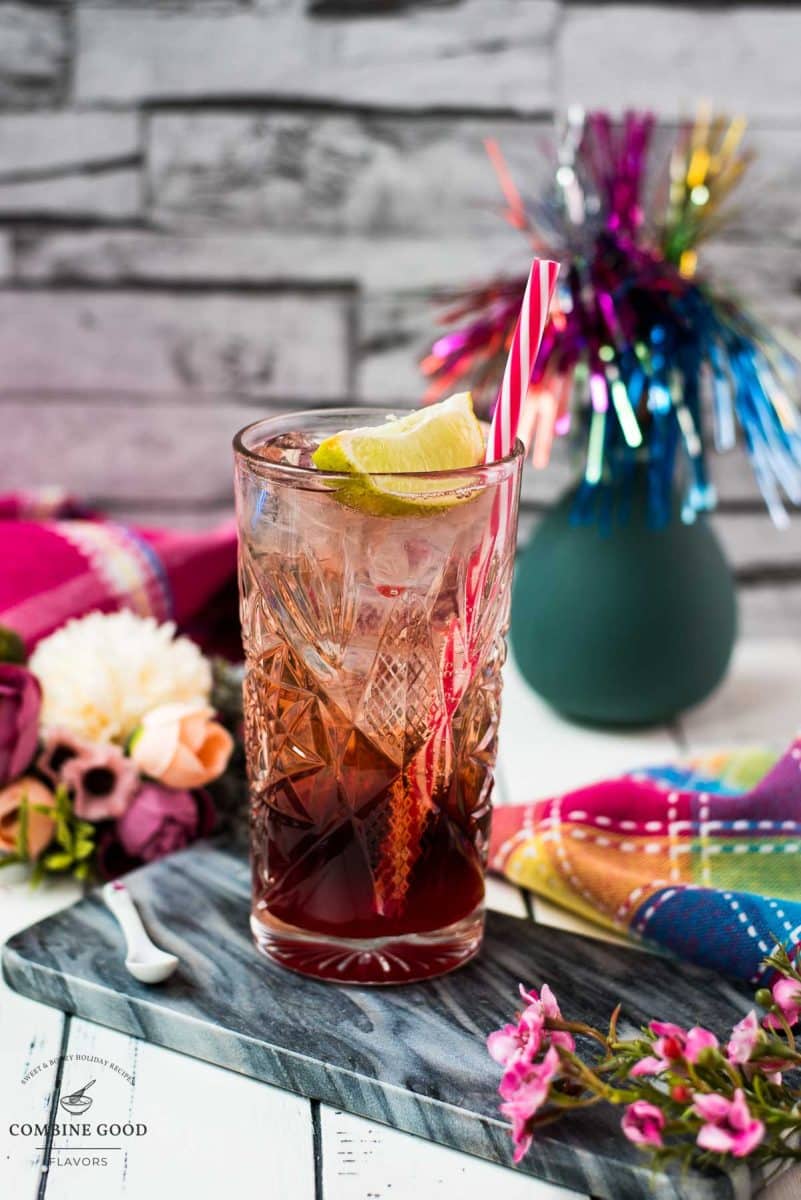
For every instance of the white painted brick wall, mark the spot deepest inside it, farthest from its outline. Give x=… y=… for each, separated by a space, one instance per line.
x=371 y=174
x=33 y=54
x=260 y=345
x=64 y=140
x=670 y=56
x=244 y=258
x=110 y=196
x=441 y=57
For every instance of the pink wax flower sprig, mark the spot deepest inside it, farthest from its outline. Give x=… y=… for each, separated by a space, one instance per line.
x=687 y=1096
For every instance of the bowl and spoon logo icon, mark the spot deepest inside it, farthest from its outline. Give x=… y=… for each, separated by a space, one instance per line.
x=78 y=1102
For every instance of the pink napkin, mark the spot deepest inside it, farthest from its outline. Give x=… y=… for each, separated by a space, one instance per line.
x=61 y=561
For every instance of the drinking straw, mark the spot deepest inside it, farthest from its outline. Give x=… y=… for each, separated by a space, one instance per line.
x=431 y=769
x=522 y=356
x=459 y=653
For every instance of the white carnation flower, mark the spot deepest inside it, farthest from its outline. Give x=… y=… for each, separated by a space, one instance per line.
x=102 y=673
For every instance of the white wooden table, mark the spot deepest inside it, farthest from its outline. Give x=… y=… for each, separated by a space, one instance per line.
x=212 y=1132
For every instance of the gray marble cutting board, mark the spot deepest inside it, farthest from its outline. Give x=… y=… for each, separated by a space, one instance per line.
x=412 y=1057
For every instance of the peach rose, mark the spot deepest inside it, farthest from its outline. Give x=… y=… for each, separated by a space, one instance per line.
x=181 y=746
x=40 y=827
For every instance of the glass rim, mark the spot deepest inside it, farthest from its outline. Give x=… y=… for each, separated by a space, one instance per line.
x=297 y=473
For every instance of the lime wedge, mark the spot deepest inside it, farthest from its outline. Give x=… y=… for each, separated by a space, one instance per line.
x=445 y=437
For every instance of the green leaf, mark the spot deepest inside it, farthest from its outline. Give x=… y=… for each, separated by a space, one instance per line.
x=56 y=861
x=22 y=830
x=8 y=860
x=82 y=870
x=38 y=873
x=83 y=850
x=12 y=647
x=63 y=802
x=64 y=835
x=133 y=739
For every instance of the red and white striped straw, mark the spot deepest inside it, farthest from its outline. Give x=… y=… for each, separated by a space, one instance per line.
x=522 y=356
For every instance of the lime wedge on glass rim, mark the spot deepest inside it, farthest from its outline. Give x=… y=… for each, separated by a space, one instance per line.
x=387 y=461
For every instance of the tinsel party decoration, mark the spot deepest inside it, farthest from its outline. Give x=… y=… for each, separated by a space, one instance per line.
x=641 y=352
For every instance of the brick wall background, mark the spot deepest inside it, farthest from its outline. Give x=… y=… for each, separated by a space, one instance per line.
x=208 y=208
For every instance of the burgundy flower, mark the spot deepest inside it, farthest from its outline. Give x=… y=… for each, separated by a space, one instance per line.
x=161 y=820
x=20 y=704
x=103 y=781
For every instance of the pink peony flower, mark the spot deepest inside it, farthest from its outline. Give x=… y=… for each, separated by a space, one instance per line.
x=729 y=1127
x=160 y=821
x=103 y=781
x=787 y=998
x=180 y=745
x=525 y=1088
x=544 y=1006
x=20 y=705
x=745 y=1037
x=517 y=1042
x=643 y=1123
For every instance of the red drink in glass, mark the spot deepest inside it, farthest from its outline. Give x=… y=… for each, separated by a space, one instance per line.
x=374 y=642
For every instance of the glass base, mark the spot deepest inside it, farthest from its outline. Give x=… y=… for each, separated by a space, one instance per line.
x=370 y=961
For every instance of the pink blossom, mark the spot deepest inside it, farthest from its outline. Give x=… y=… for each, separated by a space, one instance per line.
x=103 y=781
x=670 y=1041
x=787 y=998
x=525 y=1088
x=667 y=1029
x=674 y=1045
x=699 y=1040
x=729 y=1127
x=522 y=1136
x=643 y=1123
x=649 y=1066
x=546 y=1007
x=745 y=1037
x=59 y=747
x=517 y=1042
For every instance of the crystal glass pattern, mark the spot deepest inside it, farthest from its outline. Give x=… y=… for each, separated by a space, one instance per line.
x=374 y=645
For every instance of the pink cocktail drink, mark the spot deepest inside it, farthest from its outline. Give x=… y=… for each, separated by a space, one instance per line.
x=374 y=638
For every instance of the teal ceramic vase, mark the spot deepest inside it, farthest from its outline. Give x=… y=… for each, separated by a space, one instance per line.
x=622 y=624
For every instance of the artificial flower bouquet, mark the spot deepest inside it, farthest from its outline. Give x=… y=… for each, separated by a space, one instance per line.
x=109 y=742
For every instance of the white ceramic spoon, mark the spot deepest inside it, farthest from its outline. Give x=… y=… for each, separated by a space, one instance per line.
x=144 y=960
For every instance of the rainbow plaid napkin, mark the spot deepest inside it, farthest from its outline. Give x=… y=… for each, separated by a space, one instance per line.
x=702 y=860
